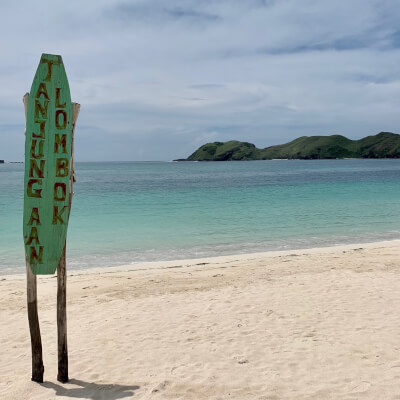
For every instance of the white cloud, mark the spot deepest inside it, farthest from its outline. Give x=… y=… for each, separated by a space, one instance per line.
x=164 y=76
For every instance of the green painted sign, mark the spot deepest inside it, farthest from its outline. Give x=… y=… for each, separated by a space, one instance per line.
x=47 y=166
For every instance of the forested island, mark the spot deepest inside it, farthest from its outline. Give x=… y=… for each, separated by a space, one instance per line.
x=382 y=145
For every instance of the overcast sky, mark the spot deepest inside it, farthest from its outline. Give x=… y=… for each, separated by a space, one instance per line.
x=156 y=79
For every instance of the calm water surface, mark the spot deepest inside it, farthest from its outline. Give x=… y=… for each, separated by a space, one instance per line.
x=146 y=211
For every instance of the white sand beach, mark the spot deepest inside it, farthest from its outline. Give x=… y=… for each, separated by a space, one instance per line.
x=303 y=324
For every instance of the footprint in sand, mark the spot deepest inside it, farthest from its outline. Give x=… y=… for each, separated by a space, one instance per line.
x=361 y=388
x=161 y=386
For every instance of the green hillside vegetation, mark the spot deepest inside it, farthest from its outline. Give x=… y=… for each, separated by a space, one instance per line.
x=223 y=151
x=382 y=145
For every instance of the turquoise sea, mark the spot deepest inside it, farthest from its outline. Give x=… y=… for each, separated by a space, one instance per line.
x=129 y=212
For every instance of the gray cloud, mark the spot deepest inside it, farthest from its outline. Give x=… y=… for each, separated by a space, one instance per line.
x=156 y=79
x=342 y=44
x=395 y=38
x=157 y=12
x=192 y=14
x=206 y=86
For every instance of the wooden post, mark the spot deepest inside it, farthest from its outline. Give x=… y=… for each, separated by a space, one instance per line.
x=34 y=328
x=62 y=375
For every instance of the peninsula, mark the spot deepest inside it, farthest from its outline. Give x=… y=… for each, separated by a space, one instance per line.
x=382 y=145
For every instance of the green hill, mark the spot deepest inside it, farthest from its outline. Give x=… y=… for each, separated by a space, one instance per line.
x=382 y=145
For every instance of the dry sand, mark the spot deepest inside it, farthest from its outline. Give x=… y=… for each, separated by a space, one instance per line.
x=305 y=324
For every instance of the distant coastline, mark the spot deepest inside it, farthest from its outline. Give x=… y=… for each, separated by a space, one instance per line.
x=382 y=145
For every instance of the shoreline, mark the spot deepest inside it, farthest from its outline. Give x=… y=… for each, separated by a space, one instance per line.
x=192 y=262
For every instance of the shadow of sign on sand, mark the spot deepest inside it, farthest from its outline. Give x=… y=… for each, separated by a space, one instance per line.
x=93 y=391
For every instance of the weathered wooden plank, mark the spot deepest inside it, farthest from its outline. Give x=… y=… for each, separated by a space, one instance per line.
x=47 y=165
x=62 y=345
x=33 y=319
x=62 y=375
x=34 y=328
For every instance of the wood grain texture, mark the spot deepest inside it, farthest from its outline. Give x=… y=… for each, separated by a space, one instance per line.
x=62 y=375
x=33 y=318
x=34 y=328
x=48 y=147
x=62 y=345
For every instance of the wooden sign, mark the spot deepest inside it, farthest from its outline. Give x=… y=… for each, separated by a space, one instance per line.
x=47 y=166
